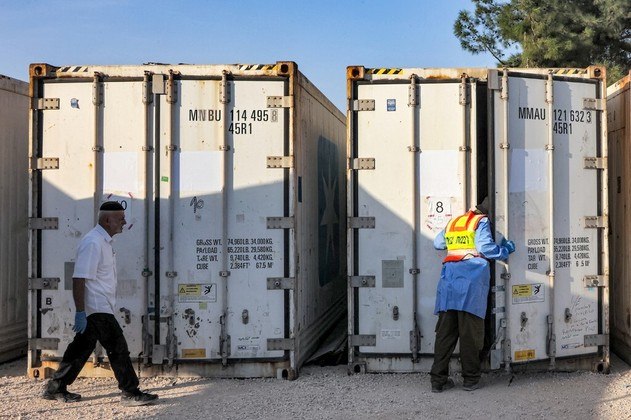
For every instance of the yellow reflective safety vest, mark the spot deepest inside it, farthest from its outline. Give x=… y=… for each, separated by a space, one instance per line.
x=460 y=237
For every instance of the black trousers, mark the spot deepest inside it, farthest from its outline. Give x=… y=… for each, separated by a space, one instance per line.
x=451 y=326
x=105 y=329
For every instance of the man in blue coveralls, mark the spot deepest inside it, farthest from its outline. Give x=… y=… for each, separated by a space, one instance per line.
x=462 y=292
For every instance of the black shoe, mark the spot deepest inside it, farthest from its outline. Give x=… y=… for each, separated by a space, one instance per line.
x=443 y=387
x=471 y=387
x=61 y=395
x=137 y=398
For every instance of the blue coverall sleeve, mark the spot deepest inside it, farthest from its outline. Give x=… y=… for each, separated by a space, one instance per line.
x=439 y=240
x=485 y=244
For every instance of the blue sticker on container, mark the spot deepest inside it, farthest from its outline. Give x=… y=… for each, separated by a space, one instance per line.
x=392 y=104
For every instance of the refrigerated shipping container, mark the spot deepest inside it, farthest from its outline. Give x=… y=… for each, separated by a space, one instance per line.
x=427 y=144
x=619 y=138
x=13 y=207
x=232 y=261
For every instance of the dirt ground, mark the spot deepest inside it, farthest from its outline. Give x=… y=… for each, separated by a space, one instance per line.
x=329 y=393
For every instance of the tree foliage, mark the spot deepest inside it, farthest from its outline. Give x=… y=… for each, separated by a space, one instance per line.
x=550 y=33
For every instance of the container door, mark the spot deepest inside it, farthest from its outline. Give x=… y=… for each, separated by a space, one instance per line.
x=110 y=162
x=217 y=192
x=548 y=207
x=396 y=134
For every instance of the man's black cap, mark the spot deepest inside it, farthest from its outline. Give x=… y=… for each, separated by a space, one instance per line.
x=111 y=206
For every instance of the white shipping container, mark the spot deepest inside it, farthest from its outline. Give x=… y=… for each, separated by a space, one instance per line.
x=619 y=140
x=233 y=182
x=421 y=146
x=13 y=207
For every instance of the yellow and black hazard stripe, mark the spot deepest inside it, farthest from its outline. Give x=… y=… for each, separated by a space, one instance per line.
x=383 y=71
x=569 y=72
x=254 y=67
x=73 y=69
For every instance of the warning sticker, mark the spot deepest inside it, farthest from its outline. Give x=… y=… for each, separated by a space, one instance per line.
x=197 y=292
x=523 y=355
x=527 y=293
x=193 y=353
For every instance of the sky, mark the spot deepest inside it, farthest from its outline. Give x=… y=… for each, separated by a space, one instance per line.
x=322 y=37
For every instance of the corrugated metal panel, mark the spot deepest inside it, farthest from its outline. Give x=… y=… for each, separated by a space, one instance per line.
x=619 y=138
x=13 y=207
x=210 y=219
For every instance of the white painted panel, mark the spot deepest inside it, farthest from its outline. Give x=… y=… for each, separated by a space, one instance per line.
x=68 y=193
x=529 y=296
x=387 y=194
x=253 y=193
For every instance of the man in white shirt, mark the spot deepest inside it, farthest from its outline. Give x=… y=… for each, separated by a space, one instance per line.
x=94 y=293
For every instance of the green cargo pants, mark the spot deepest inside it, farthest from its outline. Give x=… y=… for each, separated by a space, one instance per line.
x=469 y=328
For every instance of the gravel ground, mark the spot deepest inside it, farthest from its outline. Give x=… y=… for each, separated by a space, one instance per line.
x=329 y=393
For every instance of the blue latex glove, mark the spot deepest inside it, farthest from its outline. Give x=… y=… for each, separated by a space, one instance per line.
x=509 y=245
x=80 y=322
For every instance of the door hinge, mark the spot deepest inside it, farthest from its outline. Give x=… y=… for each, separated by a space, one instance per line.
x=281 y=283
x=43 y=223
x=280 y=161
x=596 y=281
x=280 y=222
x=43 y=283
x=362 y=281
x=591 y=340
x=362 y=163
x=43 y=343
x=44 y=104
x=595 y=222
x=158 y=354
x=280 y=101
x=44 y=163
x=364 y=105
x=595 y=163
x=493 y=80
x=361 y=222
x=594 y=104
x=367 y=340
x=280 y=344
x=498 y=310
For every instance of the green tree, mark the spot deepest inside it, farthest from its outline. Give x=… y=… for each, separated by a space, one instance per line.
x=550 y=33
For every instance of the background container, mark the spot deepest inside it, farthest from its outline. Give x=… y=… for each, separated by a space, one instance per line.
x=619 y=138
x=13 y=207
x=549 y=178
x=427 y=144
x=231 y=263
